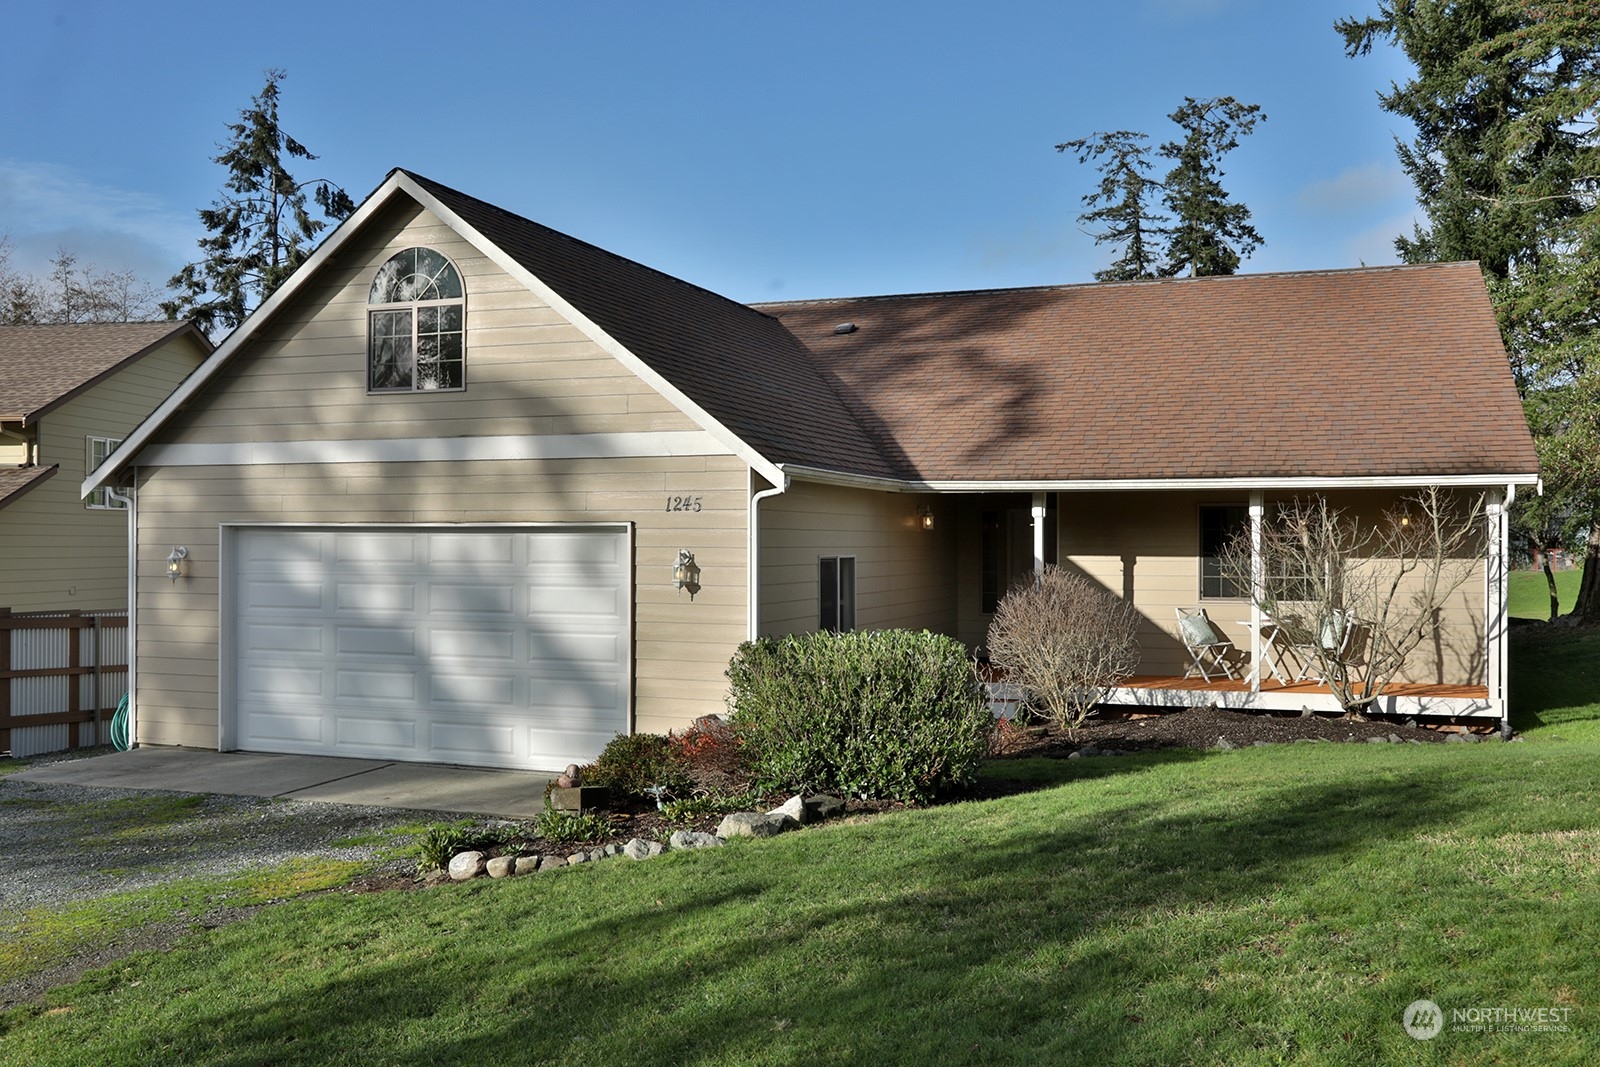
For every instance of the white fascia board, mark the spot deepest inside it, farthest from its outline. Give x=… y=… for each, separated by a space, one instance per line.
x=439 y=449
x=680 y=400
x=237 y=339
x=895 y=485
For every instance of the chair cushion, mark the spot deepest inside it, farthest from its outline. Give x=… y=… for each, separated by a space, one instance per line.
x=1197 y=630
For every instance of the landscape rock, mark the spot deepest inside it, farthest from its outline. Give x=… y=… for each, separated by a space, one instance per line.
x=640 y=849
x=1394 y=739
x=577 y=858
x=1224 y=743
x=752 y=824
x=526 y=864
x=794 y=808
x=825 y=806
x=550 y=863
x=693 y=839
x=502 y=866
x=465 y=866
x=1075 y=754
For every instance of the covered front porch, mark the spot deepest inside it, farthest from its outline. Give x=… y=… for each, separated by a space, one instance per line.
x=1404 y=699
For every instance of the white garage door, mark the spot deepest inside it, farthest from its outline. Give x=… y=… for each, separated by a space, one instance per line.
x=490 y=647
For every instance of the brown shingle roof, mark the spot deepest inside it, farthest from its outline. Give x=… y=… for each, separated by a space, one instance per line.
x=1394 y=371
x=739 y=365
x=14 y=481
x=42 y=366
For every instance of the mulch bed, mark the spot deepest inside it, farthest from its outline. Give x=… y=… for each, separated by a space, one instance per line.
x=1204 y=728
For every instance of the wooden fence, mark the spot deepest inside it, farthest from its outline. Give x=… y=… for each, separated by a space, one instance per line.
x=61 y=677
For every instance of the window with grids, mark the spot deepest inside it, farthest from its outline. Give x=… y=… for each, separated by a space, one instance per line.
x=96 y=449
x=1220 y=524
x=838 y=593
x=416 y=335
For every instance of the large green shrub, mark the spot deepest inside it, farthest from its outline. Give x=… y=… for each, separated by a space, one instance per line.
x=886 y=714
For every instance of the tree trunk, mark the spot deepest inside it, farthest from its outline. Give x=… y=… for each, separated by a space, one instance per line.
x=1587 y=607
x=1550 y=581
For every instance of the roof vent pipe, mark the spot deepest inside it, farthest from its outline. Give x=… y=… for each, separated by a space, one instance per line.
x=846 y=327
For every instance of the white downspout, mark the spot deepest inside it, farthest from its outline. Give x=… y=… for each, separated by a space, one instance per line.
x=130 y=501
x=753 y=552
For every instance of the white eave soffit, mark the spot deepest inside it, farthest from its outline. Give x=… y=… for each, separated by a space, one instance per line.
x=894 y=485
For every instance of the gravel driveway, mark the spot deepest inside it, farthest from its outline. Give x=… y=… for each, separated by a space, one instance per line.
x=61 y=844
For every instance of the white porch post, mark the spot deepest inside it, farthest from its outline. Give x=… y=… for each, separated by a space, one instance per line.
x=1257 y=585
x=1038 y=533
x=1495 y=604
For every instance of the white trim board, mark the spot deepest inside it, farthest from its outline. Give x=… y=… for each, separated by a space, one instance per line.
x=1059 y=485
x=438 y=449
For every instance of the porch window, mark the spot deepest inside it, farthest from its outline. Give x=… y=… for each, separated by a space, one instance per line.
x=416 y=337
x=96 y=449
x=1220 y=524
x=838 y=593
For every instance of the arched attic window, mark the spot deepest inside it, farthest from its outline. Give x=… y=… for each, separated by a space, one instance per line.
x=416 y=312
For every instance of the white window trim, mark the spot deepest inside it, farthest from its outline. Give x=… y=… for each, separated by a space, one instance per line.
x=100 y=499
x=414 y=306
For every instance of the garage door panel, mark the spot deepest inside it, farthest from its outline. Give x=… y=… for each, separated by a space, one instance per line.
x=444 y=549
x=377 y=640
x=275 y=682
x=298 y=731
x=276 y=592
x=504 y=647
x=375 y=735
x=575 y=599
x=283 y=637
x=473 y=690
x=560 y=652
x=490 y=645
x=374 y=548
x=375 y=597
x=454 y=598
x=464 y=741
x=376 y=685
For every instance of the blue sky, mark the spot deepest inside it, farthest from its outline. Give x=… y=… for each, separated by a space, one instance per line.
x=763 y=149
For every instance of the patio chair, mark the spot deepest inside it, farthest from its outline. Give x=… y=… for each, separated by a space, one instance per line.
x=1209 y=652
x=1343 y=638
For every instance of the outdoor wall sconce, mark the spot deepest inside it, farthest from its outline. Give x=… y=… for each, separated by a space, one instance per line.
x=175 y=562
x=686 y=573
x=925 y=514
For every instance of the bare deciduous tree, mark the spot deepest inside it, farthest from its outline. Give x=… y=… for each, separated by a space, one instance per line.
x=1356 y=598
x=1067 y=641
x=71 y=293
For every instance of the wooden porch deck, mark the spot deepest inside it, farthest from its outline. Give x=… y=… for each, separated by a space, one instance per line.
x=1399 y=698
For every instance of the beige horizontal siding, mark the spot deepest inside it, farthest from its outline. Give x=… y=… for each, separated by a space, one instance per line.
x=528 y=370
x=682 y=646
x=904 y=574
x=56 y=554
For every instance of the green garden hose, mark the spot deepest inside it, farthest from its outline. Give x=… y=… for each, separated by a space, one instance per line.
x=119 y=726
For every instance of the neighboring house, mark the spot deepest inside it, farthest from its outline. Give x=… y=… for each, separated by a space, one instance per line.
x=68 y=396
x=433 y=492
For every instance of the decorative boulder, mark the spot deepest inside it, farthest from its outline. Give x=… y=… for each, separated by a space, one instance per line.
x=752 y=824
x=465 y=866
x=693 y=839
x=640 y=849
x=502 y=866
x=823 y=807
x=571 y=778
x=793 y=808
x=526 y=864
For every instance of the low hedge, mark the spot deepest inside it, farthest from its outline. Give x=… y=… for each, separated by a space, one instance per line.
x=875 y=714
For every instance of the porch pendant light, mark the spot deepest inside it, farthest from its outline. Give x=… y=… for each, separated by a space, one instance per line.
x=925 y=514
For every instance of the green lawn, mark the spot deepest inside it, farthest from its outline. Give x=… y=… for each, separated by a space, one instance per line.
x=1528 y=593
x=1268 y=905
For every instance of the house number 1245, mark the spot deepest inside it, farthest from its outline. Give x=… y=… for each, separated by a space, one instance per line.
x=683 y=503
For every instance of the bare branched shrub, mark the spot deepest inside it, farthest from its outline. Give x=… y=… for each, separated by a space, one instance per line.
x=1067 y=641
x=1358 y=599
